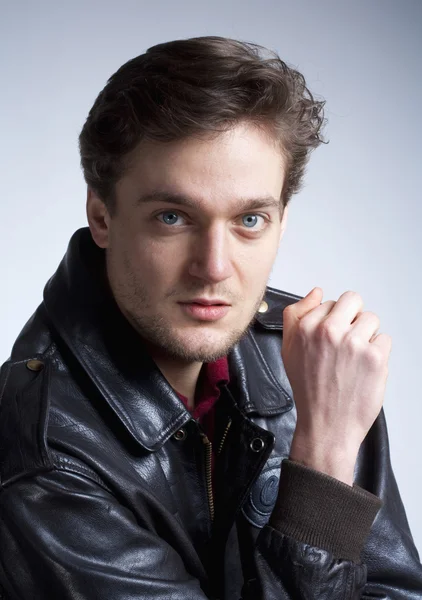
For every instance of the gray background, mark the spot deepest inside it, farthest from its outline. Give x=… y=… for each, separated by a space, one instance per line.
x=356 y=224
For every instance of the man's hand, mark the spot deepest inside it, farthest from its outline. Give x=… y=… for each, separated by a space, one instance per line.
x=337 y=367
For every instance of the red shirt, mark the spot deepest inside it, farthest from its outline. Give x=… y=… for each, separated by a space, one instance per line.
x=207 y=393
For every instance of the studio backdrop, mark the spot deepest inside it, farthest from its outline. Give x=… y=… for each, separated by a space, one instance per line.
x=354 y=226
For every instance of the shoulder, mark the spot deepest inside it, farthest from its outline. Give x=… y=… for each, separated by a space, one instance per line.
x=24 y=401
x=270 y=316
x=23 y=417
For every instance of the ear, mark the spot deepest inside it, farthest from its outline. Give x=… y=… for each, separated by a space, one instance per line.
x=283 y=223
x=98 y=219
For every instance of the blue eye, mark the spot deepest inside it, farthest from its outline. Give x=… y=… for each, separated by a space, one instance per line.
x=169 y=220
x=250 y=220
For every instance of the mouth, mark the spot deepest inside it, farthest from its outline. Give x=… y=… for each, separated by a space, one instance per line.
x=207 y=302
x=202 y=310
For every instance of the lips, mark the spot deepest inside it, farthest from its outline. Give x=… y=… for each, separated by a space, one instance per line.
x=206 y=302
x=200 y=311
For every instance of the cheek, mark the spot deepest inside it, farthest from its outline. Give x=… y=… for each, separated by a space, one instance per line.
x=256 y=266
x=255 y=280
x=156 y=264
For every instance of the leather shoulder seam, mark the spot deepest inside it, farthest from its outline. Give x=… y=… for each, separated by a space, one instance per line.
x=63 y=462
x=24 y=412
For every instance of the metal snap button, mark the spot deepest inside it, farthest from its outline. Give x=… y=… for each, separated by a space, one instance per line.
x=257 y=444
x=180 y=435
x=35 y=365
x=263 y=307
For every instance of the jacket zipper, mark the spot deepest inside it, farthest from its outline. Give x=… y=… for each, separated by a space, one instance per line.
x=208 y=473
x=223 y=439
x=208 y=465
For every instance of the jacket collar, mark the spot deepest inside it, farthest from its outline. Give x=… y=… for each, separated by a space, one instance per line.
x=82 y=311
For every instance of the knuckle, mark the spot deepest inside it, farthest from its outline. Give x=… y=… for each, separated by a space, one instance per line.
x=354 y=343
x=384 y=342
x=303 y=327
x=288 y=309
x=375 y=358
x=327 y=330
x=372 y=316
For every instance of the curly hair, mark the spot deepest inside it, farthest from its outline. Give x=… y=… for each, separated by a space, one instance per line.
x=198 y=86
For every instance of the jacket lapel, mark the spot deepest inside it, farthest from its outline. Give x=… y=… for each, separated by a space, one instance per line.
x=82 y=311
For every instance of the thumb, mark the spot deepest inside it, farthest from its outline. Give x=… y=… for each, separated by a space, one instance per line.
x=300 y=308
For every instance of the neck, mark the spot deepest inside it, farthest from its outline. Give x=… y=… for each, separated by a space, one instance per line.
x=182 y=376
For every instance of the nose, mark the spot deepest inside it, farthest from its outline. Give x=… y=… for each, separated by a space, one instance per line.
x=211 y=258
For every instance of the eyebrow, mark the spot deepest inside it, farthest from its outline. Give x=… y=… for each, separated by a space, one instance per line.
x=183 y=200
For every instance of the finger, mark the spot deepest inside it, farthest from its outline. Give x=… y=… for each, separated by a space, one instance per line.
x=357 y=317
x=365 y=326
x=297 y=310
x=384 y=343
x=346 y=308
x=315 y=316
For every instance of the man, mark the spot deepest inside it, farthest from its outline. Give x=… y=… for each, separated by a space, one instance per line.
x=171 y=427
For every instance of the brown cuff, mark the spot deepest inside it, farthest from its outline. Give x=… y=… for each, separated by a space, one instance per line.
x=317 y=509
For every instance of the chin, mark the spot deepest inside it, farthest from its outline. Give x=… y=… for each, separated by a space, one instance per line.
x=202 y=342
x=206 y=346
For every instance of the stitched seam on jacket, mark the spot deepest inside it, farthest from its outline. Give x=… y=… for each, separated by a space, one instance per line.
x=283 y=294
x=270 y=375
x=118 y=407
x=66 y=464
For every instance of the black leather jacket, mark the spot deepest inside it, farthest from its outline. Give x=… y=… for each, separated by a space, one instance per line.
x=104 y=474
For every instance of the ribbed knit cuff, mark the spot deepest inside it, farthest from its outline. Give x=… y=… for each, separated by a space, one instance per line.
x=317 y=509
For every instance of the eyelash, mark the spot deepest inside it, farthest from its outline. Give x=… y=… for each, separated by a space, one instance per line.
x=180 y=214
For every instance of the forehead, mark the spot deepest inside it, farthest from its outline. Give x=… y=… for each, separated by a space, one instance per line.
x=243 y=162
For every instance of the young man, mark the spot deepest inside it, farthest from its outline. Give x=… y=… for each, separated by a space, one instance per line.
x=170 y=426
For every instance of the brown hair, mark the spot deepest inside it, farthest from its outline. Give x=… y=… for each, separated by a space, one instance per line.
x=195 y=86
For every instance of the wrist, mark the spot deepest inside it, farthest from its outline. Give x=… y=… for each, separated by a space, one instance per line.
x=324 y=457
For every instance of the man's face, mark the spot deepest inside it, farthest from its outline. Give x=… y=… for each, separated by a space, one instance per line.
x=161 y=255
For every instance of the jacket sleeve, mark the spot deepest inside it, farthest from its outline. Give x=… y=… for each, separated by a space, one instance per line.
x=64 y=536
x=328 y=540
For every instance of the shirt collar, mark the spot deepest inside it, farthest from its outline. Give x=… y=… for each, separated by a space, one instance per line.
x=212 y=376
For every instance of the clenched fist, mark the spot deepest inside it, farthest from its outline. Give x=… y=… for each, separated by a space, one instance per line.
x=337 y=367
